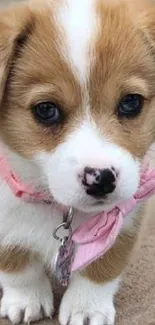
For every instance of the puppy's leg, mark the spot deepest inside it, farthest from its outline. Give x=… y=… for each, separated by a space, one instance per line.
x=27 y=291
x=89 y=298
x=86 y=300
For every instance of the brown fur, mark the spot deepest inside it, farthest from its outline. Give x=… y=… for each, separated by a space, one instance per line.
x=13 y=260
x=111 y=265
x=121 y=56
x=46 y=69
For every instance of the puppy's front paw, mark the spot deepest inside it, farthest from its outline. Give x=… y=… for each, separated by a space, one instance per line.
x=87 y=303
x=29 y=303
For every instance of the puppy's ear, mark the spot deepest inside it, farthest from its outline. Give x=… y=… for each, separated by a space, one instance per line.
x=16 y=24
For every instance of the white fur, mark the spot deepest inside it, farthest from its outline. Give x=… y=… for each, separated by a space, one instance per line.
x=76 y=305
x=84 y=147
x=79 y=23
x=31 y=225
x=28 y=292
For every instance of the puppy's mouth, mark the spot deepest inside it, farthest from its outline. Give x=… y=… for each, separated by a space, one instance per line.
x=97 y=206
x=99 y=202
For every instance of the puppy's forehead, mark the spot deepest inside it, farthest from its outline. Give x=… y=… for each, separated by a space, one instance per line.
x=80 y=25
x=93 y=44
x=91 y=26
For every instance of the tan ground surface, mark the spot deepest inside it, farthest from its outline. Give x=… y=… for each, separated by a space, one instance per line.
x=136 y=301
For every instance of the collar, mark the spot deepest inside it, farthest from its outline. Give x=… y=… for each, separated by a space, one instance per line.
x=97 y=235
x=19 y=189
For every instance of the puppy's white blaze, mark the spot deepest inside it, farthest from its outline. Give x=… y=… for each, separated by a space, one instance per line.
x=78 y=20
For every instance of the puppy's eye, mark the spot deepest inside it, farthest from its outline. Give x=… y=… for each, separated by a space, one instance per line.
x=47 y=113
x=130 y=106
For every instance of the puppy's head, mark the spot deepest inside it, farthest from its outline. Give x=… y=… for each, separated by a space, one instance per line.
x=77 y=95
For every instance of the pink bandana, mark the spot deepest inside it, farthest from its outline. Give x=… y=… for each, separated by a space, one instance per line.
x=18 y=188
x=97 y=235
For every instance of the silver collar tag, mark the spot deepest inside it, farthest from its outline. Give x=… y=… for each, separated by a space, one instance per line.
x=66 y=253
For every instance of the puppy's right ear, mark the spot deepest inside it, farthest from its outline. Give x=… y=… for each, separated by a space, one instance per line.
x=16 y=24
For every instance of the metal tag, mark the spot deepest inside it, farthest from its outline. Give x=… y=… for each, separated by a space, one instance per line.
x=64 y=260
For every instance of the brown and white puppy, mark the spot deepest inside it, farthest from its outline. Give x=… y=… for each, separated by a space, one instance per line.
x=77 y=94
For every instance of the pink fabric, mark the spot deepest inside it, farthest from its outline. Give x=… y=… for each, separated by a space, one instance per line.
x=96 y=236
x=20 y=190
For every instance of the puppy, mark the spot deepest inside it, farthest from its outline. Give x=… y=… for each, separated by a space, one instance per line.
x=77 y=95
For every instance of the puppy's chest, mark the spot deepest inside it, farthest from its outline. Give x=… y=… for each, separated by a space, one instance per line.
x=31 y=226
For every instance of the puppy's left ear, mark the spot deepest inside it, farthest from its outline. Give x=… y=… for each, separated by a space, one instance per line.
x=16 y=24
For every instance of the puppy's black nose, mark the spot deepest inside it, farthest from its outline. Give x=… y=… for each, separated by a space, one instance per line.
x=99 y=182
